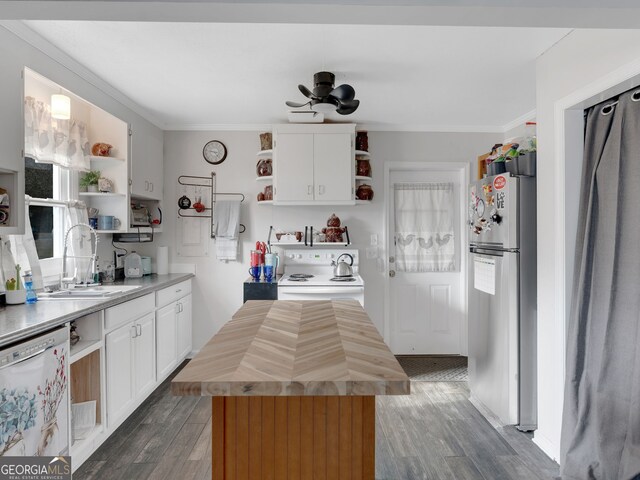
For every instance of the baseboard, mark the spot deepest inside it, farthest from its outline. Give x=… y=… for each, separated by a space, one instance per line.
x=547 y=446
x=491 y=417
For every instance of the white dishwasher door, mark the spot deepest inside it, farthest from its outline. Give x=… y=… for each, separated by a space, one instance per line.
x=35 y=396
x=321 y=293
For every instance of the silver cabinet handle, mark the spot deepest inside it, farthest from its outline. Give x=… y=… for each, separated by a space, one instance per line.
x=139 y=329
x=151 y=183
x=320 y=189
x=309 y=189
x=177 y=308
x=135 y=331
x=146 y=186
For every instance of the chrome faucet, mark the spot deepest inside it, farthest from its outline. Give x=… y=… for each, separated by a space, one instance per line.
x=88 y=278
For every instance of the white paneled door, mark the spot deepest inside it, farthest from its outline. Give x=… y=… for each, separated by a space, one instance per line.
x=426 y=308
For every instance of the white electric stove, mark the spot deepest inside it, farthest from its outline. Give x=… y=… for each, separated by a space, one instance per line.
x=308 y=275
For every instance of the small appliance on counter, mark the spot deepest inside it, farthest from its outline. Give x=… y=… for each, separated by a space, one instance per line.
x=140 y=216
x=133 y=265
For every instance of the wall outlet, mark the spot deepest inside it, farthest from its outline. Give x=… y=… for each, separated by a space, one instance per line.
x=374 y=239
x=372 y=252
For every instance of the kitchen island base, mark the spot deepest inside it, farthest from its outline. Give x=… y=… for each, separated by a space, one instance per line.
x=293 y=437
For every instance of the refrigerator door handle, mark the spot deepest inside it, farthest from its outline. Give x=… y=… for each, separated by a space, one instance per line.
x=488 y=251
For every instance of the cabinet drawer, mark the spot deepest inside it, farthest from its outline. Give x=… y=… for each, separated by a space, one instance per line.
x=127 y=311
x=172 y=293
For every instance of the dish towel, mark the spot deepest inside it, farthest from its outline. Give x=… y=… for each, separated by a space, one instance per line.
x=226 y=218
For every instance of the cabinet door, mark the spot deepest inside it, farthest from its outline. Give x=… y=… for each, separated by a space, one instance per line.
x=145 y=356
x=184 y=327
x=293 y=167
x=12 y=138
x=146 y=162
x=166 y=344
x=333 y=167
x=119 y=361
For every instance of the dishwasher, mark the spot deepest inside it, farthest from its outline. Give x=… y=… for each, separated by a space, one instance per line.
x=34 y=396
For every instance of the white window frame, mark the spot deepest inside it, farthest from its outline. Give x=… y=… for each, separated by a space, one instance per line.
x=63 y=190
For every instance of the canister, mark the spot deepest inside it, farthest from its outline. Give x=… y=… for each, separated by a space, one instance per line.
x=146 y=265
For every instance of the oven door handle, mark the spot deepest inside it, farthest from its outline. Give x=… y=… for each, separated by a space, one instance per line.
x=319 y=290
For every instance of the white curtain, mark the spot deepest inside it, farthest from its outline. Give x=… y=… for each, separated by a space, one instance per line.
x=424 y=214
x=47 y=140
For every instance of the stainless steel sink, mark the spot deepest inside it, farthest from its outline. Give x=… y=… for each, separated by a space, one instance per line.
x=88 y=293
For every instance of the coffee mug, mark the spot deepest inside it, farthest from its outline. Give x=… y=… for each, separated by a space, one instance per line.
x=93 y=222
x=256 y=258
x=108 y=222
x=268 y=272
x=271 y=259
x=255 y=272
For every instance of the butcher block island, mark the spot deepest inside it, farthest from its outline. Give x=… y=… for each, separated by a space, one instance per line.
x=293 y=386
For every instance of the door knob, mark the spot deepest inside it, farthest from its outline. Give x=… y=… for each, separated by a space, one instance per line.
x=392 y=273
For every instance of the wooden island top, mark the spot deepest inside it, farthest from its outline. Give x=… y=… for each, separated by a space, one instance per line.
x=295 y=348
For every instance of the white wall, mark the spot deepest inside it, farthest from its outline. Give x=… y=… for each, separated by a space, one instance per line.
x=579 y=62
x=218 y=285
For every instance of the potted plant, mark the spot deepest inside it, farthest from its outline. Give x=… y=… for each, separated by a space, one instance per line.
x=89 y=181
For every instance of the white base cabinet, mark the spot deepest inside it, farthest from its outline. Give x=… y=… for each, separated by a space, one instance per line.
x=184 y=324
x=119 y=358
x=166 y=346
x=173 y=327
x=145 y=339
x=131 y=374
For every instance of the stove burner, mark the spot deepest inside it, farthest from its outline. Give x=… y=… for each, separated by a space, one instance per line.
x=297 y=279
x=300 y=275
x=342 y=279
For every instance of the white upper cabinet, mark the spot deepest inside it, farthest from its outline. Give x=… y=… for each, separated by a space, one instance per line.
x=333 y=167
x=294 y=174
x=146 y=163
x=313 y=164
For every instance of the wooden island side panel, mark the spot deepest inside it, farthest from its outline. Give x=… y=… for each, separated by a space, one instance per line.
x=281 y=438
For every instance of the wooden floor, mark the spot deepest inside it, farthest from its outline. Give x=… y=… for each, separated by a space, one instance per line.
x=435 y=433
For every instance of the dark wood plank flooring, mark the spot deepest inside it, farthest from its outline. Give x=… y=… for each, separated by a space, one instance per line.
x=434 y=433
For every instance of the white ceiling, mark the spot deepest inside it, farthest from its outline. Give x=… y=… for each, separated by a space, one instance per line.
x=203 y=75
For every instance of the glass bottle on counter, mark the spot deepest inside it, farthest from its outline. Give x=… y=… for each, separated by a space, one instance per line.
x=31 y=296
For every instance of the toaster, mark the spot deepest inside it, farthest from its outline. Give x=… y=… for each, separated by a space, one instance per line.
x=140 y=216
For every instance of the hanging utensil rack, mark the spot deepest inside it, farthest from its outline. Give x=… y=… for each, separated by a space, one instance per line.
x=207 y=182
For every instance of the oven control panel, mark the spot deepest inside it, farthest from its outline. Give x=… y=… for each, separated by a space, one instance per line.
x=317 y=257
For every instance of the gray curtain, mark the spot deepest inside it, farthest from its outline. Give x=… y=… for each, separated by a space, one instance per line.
x=601 y=418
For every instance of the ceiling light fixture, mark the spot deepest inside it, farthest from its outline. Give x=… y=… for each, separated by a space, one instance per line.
x=60 y=106
x=324 y=105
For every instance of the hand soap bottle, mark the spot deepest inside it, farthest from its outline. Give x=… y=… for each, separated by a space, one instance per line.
x=31 y=296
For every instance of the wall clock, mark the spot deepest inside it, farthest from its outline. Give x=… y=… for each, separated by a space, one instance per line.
x=214 y=152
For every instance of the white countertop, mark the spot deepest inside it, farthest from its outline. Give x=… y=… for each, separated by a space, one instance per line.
x=18 y=322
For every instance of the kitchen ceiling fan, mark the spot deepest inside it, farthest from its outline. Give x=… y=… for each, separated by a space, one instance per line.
x=325 y=98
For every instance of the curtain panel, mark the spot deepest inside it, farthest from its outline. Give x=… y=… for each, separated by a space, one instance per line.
x=424 y=227
x=601 y=417
x=48 y=140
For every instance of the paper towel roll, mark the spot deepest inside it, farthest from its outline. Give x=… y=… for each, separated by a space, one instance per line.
x=162 y=259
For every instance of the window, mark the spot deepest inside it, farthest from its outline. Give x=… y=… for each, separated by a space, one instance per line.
x=47 y=185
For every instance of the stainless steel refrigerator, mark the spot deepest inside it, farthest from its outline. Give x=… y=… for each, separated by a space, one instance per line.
x=502 y=298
